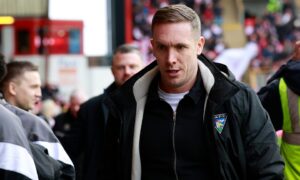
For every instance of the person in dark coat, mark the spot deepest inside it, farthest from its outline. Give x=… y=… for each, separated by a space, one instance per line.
x=85 y=140
x=65 y=121
x=280 y=97
x=185 y=117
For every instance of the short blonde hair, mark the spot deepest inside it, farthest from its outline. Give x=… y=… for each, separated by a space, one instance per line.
x=177 y=13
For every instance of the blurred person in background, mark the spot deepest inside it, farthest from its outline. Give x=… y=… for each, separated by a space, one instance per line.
x=280 y=97
x=49 y=109
x=185 y=117
x=21 y=88
x=238 y=59
x=50 y=91
x=88 y=137
x=64 y=122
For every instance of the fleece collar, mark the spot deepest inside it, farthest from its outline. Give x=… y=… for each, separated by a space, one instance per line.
x=141 y=86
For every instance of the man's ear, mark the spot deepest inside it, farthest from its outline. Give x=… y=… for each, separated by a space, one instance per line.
x=12 y=88
x=200 y=44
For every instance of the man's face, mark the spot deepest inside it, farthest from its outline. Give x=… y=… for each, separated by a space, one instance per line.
x=176 y=47
x=125 y=65
x=27 y=90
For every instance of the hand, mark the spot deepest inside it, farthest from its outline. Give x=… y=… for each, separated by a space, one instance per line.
x=296 y=54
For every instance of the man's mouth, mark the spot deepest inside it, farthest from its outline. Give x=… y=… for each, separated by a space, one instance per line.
x=172 y=72
x=36 y=102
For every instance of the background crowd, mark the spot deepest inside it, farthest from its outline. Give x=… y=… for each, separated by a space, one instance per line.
x=274 y=31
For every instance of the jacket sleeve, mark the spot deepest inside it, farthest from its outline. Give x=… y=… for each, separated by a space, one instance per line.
x=16 y=161
x=49 y=168
x=270 y=99
x=262 y=152
x=39 y=133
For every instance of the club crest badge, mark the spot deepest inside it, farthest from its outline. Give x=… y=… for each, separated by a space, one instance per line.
x=219 y=121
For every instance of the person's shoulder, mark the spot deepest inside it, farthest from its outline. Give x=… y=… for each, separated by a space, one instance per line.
x=11 y=129
x=28 y=116
x=270 y=87
x=8 y=119
x=4 y=112
x=242 y=85
x=14 y=148
x=94 y=101
x=60 y=116
x=35 y=127
x=245 y=91
x=9 y=107
x=22 y=114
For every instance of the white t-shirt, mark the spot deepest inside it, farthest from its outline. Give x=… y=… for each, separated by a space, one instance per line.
x=171 y=98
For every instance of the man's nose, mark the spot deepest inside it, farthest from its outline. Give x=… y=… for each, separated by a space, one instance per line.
x=128 y=71
x=171 y=56
x=38 y=93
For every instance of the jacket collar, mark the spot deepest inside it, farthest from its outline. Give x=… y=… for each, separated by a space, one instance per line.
x=217 y=81
x=110 y=88
x=141 y=87
x=224 y=82
x=195 y=93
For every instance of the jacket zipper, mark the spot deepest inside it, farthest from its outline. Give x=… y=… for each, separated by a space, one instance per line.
x=173 y=142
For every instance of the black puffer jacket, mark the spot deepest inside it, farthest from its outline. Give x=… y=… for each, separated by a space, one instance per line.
x=246 y=148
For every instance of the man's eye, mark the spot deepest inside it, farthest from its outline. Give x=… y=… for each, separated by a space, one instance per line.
x=119 y=67
x=161 y=47
x=180 y=47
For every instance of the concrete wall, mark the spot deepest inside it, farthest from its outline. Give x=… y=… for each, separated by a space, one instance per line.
x=21 y=8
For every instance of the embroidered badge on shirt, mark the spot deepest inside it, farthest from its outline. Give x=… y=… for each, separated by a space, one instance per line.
x=219 y=121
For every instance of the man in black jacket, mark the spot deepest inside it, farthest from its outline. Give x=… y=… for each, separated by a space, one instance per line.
x=184 y=118
x=280 y=97
x=87 y=135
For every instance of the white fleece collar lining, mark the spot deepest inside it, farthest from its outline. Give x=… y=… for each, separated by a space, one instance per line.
x=140 y=91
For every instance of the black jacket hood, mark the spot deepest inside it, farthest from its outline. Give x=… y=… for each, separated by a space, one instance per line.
x=291 y=74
